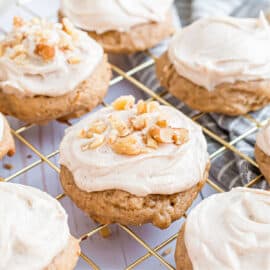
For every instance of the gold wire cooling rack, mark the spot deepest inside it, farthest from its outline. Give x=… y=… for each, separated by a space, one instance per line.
x=129 y=76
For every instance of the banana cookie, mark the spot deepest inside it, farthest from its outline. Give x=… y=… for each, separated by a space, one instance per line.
x=262 y=151
x=211 y=65
x=50 y=71
x=227 y=231
x=134 y=163
x=7 y=145
x=121 y=26
x=34 y=233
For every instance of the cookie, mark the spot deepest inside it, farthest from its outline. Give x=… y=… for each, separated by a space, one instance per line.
x=226 y=231
x=52 y=71
x=35 y=234
x=209 y=65
x=134 y=163
x=7 y=145
x=262 y=151
x=119 y=26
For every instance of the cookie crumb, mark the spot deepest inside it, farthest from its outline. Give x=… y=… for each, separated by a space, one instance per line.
x=2 y=179
x=166 y=252
x=29 y=156
x=8 y=166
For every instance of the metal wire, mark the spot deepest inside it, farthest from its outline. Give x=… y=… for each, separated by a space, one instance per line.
x=122 y=75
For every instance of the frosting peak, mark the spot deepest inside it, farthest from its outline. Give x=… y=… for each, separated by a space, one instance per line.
x=213 y=51
x=38 y=58
x=127 y=143
x=33 y=228
x=230 y=231
x=120 y=15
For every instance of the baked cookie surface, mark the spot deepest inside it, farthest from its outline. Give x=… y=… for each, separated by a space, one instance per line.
x=121 y=26
x=142 y=162
x=262 y=150
x=7 y=145
x=226 y=231
x=50 y=71
x=208 y=68
x=35 y=234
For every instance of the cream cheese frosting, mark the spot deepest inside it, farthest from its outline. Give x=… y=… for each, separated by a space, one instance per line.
x=263 y=139
x=212 y=51
x=1 y=127
x=168 y=169
x=230 y=231
x=120 y=15
x=33 y=228
x=44 y=58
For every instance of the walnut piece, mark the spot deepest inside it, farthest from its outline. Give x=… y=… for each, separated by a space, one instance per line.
x=120 y=126
x=18 y=22
x=98 y=127
x=169 y=135
x=128 y=145
x=73 y=60
x=97 y=140
x=150 y=142
x=47 y=52
x=123 y=103
x=138 y=123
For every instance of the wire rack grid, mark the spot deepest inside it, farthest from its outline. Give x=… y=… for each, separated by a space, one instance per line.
x=102 y=229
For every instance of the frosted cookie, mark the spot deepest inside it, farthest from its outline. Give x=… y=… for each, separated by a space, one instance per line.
x=50 y=71
x=262 y=151
x=228 y=231
x=134 y=163
x=124 y=26
x=7 y=145
x=34 y=233
x=211 y=65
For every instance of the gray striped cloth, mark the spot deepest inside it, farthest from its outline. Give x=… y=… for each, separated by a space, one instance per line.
x=228 y=169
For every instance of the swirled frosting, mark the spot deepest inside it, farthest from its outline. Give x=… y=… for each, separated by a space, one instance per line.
x=230 y=231
x=120 y=15
x=33 y=228
x=1 y=127
x=43 y=58
x=213 y=51
x=166 y=169
x=263 y=139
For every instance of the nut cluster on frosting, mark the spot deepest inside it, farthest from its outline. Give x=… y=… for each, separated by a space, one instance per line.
x=40 y=40
x=143 y=131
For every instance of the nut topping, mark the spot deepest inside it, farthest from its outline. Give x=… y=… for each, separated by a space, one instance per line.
x=140 y=130
x=47 y=52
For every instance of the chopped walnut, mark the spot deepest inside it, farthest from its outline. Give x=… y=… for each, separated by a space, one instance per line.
x=138 y=123
x=128 y=145
x=150 y=142
x=141 y=107
x=162 y=123
x=97 y=140
x=98 y=127
x=119 y=125
x=123 y=103
x=47 y=52
x=169 y=135
x=18 y=21
x=73 y=60
x=152 y=106
x=69 y=28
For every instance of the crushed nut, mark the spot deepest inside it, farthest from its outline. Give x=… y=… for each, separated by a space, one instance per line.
x=98 y=127
x=112 y=136
x=47 y=52
x=8 y=166
x=18 y=21
x=169 y=135
x=162 y=123
x=98 y=141
x=69 y=28
x=138 y=123
x=123 y=103
x=150 y=142
x=141 y=107
x=86 y=134
x=74 y=60
x=119 y=125
x=128 y=145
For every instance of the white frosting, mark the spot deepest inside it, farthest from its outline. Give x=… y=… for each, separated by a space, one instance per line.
x=169 y=169
x=33 y=228
x=263 y=139
x=1 y=127
x=230 y=231
x=56 y=77
x=213 y=51
x=120 y=15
